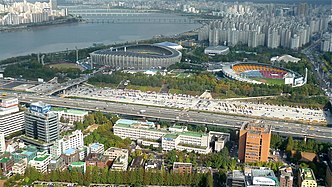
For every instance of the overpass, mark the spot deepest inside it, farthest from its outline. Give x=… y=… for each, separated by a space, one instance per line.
x=179 y=116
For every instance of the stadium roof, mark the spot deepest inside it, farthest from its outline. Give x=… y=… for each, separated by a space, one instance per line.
x=142 y=50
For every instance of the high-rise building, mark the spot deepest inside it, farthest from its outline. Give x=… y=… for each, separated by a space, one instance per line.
x=2 y=142
x=306 y=178
x=254 y=142
x=11 y=119
x=286 y=177
x=41 y=123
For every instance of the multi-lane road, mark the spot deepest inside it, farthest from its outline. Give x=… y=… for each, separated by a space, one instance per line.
x=191 y=117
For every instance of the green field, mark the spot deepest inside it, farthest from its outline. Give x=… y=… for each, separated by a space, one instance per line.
x=63 y=66
x=270 y=81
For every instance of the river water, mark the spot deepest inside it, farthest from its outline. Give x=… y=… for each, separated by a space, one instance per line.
x=60 y=37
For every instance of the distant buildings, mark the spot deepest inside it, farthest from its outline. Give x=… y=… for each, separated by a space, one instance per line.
x=254 y=142
x=26 y=13
x=11 y=119
x=41 y=124
x=286 y=177
x=326 y=43
x=306 y=178
x=260 y=26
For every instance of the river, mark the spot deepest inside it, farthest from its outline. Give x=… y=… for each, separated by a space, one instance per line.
x=60 y=37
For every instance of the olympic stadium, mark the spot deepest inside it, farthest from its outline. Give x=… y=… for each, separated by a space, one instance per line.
x=258 y=73
x=138 y=57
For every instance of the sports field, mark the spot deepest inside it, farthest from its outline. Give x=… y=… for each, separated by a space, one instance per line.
x=270 y=81
x=63 y=66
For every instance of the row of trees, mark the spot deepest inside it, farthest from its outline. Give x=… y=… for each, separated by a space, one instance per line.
x=289 y=144
x=104 y=176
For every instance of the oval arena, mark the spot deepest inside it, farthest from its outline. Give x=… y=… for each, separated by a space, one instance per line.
x=143 y=56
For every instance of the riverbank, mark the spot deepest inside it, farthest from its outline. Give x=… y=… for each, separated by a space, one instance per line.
x=58 y=21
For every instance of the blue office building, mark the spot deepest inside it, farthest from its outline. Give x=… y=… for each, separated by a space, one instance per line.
x=41 y=123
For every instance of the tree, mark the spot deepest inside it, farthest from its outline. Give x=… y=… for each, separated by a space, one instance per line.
x=209 y=180
x=290 y=144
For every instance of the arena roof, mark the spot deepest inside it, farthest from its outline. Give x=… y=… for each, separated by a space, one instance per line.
x=141 y=50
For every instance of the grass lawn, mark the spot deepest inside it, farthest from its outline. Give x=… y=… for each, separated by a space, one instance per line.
x=270 y=81
x=63 y=66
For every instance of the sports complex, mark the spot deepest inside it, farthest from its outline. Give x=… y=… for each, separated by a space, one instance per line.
x=258 y=73
x=143 y=56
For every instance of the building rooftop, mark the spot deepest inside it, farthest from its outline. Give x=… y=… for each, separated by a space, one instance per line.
x=133 y=123
x=69 y=151
x=191 y=133
x=171 y=136
x=70 y=111
x=308 y=174
x=41 y=158
x=4 y=160
x=77 y=164
x=95 y=145
x=236 y=174
x=219 y=47
x=256 y=127
x=181 y=164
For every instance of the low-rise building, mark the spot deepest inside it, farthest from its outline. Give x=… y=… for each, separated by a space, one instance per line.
x=263 y=177
x=19 y=167
x=70 y=155
x=96 y=148
x=57 y=164
x=306 y=178
x=6 y=164
x=182 y=168
x=219 y=139
x=235 y=178
x=80 y=166
x=41 y=161
x=119 y=158
x=96 y=159
x=175 y=137
x=120 y=163
x=29 y=153
x=137 y=163
x=286 y=177
x=71 y=115
x=153 y=164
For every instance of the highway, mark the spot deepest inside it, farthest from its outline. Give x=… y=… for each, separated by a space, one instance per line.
x=191 y=117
